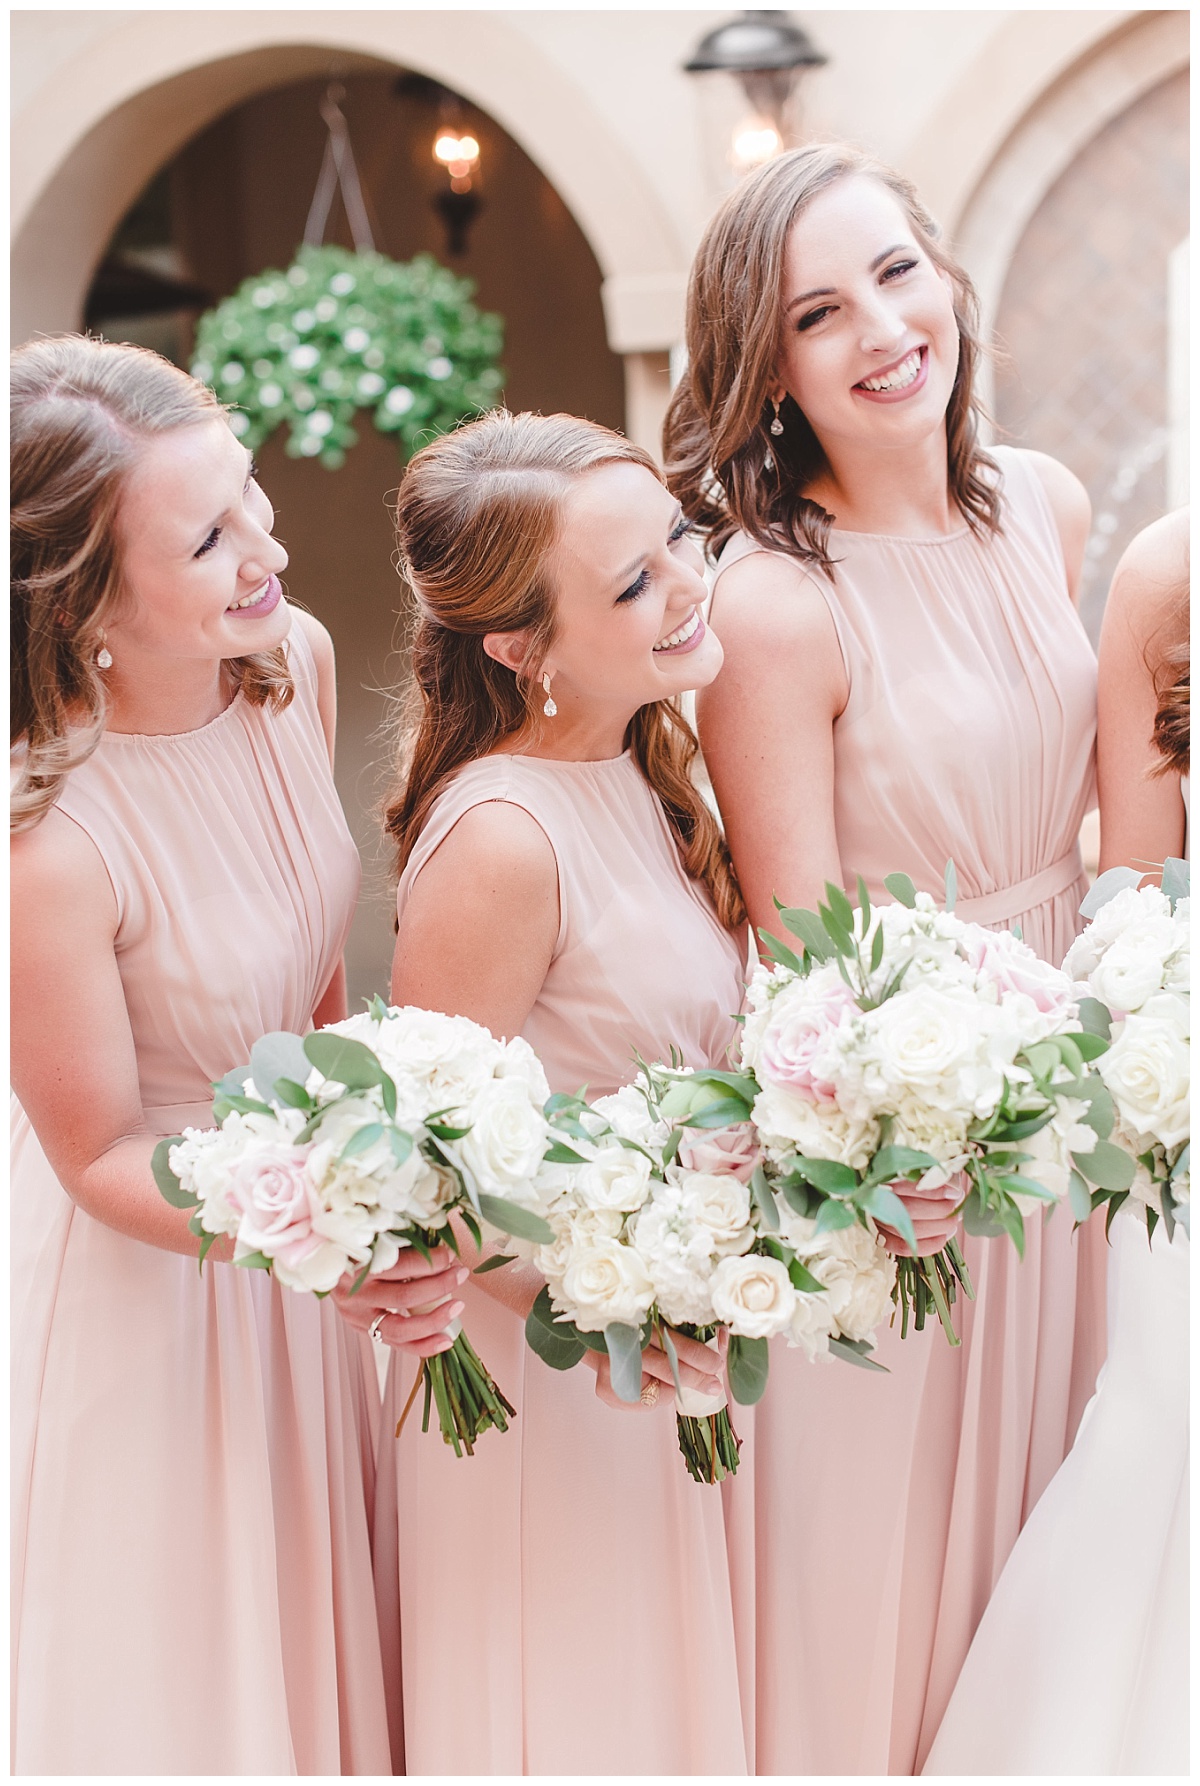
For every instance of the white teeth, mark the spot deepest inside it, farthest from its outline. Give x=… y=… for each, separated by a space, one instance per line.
x=248 y=601
x=896 y=380
x=682 y=634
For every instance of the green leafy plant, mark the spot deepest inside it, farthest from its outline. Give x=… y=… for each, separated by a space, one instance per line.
x=340 y=332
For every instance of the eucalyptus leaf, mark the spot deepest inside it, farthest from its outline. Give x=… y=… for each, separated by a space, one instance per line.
x=556 y=1343
x=840 y=906
x=979 y=1220
x=668 y=1345
x=510 y=1218
x=1079 y=1197
x=1106 y=886
x=228 y=1101
x=830 y=1176
x=901 y=888
x=877 y=945
x=764 y=1197
x=254 y=1262
x=278 y=1055
x=722 y=1114
x=1018 y=1185
x=361 y=1140
x=951 y=887
x=809 y=928
x=1095 y=1018
x=233 y=1083
x=624 y=1360
x=833 y=1215
x=855 y=1352
x=1168 y=1209
x=798 y=1196
x=1114 y=1204
x=340 y=1058
x=1108 y=1167
x=1101 y=1112
x=1176 y=879
x=1184 y=1161
x=864 y=903
x=377 y=1009
x=803 y=1279
x=749 y=1367
x=778 y=951
x=206 y=1244
x=165 y=1179
x=895 y=1161
x=401 y=1143
x=1090 y=1046
x=886 y=1207
x=1023 y=1127
x=839 y=934
x=288 y=1092
x=559 y=1154
x=494 y=1263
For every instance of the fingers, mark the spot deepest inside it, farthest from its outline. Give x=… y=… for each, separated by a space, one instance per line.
x=411 y=1264
x=415 y=1293
x=656 y=1364
x=605 y=1390
x=425 y=1334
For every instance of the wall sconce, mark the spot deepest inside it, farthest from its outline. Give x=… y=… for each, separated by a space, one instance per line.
x=455 y=150
x=767 y=55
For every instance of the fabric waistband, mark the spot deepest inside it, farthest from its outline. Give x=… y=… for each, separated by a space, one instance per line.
x=1007 y=903
x=169 y=1119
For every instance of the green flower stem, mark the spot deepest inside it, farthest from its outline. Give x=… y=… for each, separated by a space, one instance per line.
x=933 y=1279
x=709 y=1445
x=467 y=1399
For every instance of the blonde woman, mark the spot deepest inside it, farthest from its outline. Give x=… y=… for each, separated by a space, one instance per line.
x=564 y=1594
x=192 y=1589
x=906 y=681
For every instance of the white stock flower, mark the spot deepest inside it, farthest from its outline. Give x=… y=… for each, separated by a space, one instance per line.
x=753 y=1296
x=1148 y=1070
x=605 y=1282
x=502 y=1150
x=677 y=1252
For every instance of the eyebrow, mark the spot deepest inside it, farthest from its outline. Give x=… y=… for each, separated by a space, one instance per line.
x=830 y=291
x=622 y=577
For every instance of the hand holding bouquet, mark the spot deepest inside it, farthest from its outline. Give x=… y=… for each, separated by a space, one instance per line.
x=1133 y=966
x=336 y=1151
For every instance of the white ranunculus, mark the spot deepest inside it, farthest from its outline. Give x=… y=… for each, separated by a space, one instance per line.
x=502 y=1150
x=605 y=1282
x=1148 y=1070
x=789 y=1123
x=720 y=1204
x=753 y=1296
x=518 y=1061
x=617 y=1178
x=812 y=1323
x=1132 y=970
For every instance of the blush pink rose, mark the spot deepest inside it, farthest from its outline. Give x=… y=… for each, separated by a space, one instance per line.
x=1012 y=966
x=791 y=1041
x=277 y=1207
x=732 y=1150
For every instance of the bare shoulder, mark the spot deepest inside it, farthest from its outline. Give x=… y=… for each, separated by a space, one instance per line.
x=770 y=614
x=1151 y=578
x=496 y=848
x=319 y=641
x=56 y=870
x=1065 y=492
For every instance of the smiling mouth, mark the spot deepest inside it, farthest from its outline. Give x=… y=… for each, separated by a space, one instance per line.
x=683 y=635
x=260 y=601
x=898 y=377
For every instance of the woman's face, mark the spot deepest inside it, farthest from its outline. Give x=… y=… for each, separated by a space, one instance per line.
x=630 y=588
x=870 y=342
x=199 y=566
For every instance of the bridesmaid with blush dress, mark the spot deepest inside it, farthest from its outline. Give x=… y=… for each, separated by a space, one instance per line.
x=906 y=681
x=1087 y=1632
x=565 y=1592
x=192 y=1476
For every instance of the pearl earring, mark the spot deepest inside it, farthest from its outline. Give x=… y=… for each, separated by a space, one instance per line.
x=551 y=707
x=104 y=655
x=776 y=425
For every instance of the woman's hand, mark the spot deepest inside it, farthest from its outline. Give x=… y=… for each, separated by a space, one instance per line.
x=700 y=1368
x=934 y=1219
x=412 y=1284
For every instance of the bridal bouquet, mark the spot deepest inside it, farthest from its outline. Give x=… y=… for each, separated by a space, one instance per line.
x=334 y=1152
x=909 y=1052
x=655 y=1229
x=1134 y=964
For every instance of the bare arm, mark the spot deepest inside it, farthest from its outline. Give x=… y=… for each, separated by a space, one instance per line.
x=766 y=725
x=1141 y=814
x=332 y=1005
x=73 y=1062
x=1072 y=512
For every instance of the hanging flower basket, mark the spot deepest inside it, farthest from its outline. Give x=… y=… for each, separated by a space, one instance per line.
x=339 y=332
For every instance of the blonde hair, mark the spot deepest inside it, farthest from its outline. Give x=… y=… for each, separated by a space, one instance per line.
x=478 y=516
x=81 y=413
x=727 y=470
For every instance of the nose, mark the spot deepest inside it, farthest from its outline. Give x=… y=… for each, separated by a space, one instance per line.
x=264 y=558
x=881 y=328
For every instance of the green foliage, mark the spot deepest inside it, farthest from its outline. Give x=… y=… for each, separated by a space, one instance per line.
x=749 y=1367
x=165 y=1179
x=555 y=1342
x=624 y=1360
x=339 y=332
x=511 y=1218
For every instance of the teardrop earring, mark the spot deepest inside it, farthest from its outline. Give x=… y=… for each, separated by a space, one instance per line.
x=104 y=655
x=551 y=707
x=776 y=425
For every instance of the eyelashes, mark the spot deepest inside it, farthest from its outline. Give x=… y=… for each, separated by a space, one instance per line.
x=215 y=535
x=896 y=269
x=642 y=580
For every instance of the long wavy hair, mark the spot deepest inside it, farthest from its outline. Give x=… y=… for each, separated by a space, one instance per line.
x=82 y=412
x=1171 y=674
x=478 y=516
x=727 y=470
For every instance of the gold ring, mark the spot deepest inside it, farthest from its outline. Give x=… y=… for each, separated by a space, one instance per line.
x=378 y=1322
x=649 y=1393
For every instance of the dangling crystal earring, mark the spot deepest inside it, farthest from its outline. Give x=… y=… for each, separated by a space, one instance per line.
x=104 y=655
x=776 y=425
x=551 y=707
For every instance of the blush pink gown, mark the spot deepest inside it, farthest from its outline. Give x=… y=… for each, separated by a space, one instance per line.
x=564 y=1594
x=192 y=1478
x=879 y=1511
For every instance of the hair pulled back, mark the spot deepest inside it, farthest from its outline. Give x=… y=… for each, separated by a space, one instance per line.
x=478 y=517
x=725 y=467
x=82 y=411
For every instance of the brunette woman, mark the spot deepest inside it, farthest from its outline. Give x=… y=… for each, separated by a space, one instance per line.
x=1086 y=1636
x=906 y=681
x=192 y=1588
x=565 y=1592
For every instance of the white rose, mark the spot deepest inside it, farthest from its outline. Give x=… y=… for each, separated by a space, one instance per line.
x=720 y=1203
x=812 y=1323
x=788 y=1122
x=574 y=1229
x=1130 y=973
x=753 y=1296
x=502 y=1150
x=451 y=1057
x=518 y=1061
x=618 y=1178
x=627 y=1112
x=858 y=1273
x=1148 y=1070
x=431 y=1196
x=605 y=1282
x=934 y=1043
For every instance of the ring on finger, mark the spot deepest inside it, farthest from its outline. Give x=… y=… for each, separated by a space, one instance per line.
x=377 y=1323
x=649 y=1393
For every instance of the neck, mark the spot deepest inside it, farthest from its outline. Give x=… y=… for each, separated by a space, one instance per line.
x=171 y=695
x=904 y=492
x=576 y=734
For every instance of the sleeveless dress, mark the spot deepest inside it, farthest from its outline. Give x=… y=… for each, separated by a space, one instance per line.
x=969 y=734
x=1088 y=1628
x=565 y=1592
x=192 y=1582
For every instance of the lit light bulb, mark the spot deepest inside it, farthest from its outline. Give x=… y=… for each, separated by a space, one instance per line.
x=755 y=140
x=458 y=153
